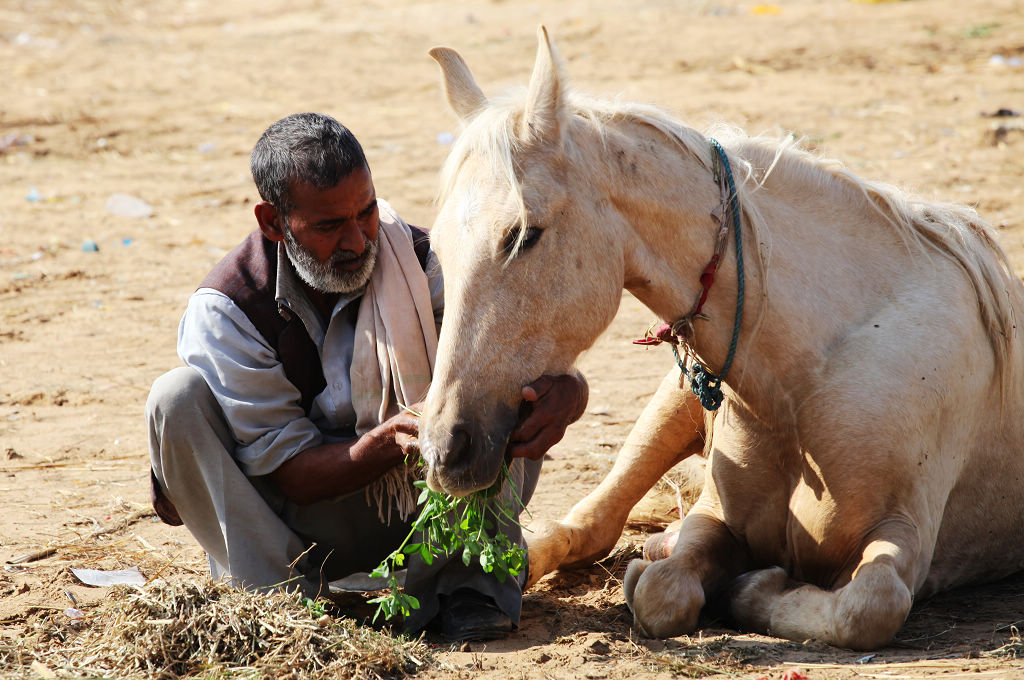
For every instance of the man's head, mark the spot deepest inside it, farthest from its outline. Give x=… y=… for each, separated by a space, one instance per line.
x=319 y=199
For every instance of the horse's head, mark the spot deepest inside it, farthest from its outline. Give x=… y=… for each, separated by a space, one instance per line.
x=532 y=264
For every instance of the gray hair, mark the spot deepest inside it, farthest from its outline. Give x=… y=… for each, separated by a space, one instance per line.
x=306 y=147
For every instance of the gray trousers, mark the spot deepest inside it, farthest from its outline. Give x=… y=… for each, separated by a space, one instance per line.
x=257 y=538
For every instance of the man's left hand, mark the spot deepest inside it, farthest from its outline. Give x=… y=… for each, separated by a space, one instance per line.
x=554 y=402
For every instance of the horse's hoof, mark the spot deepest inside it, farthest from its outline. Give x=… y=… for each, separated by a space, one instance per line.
x=660 y=546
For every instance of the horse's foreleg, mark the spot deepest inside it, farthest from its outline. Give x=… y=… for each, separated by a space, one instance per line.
x=670 y=428
x=863 y=614
x=666 y=596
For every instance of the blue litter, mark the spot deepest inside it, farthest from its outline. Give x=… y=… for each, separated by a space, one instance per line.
x=90 y=246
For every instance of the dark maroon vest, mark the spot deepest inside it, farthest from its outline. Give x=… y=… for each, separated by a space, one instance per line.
x=248 y=275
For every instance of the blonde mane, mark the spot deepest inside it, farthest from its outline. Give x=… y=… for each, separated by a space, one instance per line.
x=952 y=231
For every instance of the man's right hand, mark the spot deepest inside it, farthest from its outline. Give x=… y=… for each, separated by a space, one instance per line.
x=331 y=470
x=398 y=436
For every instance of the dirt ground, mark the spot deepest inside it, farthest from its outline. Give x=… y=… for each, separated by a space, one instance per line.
x=163 y=100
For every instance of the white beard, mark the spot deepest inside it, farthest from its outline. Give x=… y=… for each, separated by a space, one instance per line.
x=326 y=276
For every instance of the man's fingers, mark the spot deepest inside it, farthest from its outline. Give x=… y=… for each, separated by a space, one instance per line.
x=534 y=449
x=538 y=388
x=410 y=445
x=553 y=402
x=404 y=422
x=528 y=429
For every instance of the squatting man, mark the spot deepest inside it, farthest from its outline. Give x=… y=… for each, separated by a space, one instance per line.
x=282 y=443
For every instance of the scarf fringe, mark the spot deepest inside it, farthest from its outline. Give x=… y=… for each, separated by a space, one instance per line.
x=394 y=491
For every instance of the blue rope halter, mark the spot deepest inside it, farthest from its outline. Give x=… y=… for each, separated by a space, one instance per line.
x=707 y=386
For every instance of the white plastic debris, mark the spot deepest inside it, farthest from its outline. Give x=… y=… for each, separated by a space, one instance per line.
x=124 y=205
x=98 y=577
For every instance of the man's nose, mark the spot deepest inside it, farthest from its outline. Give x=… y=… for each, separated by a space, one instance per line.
x=352 y=239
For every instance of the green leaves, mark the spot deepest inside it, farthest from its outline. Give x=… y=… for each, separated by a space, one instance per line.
x=394 y=603
x=447 y=525
x=315 y=607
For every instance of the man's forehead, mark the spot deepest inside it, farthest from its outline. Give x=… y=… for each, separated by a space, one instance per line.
x=355 y=188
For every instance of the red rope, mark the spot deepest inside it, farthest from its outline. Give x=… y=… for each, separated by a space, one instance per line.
x=664 y=332
x=707 y=279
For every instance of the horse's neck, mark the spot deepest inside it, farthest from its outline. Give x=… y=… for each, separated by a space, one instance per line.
x=666 y=198
x=815 y=280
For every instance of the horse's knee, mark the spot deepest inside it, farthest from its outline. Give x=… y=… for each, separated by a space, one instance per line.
x=871 y=609
x=665 y=599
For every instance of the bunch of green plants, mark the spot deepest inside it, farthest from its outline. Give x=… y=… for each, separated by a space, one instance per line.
x=446 y=526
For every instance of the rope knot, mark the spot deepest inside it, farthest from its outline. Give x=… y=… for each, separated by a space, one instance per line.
x=707 y=386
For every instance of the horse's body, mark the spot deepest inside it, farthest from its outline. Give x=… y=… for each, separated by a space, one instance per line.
x=870 y=448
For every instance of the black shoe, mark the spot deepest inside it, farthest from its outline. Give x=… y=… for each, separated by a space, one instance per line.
x=467 y=615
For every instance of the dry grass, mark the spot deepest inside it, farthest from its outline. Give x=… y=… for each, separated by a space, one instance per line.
x=211 y=630
x=1013 y=649
x=700 y=659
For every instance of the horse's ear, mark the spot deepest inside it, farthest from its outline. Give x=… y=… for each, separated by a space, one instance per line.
x=464 y=95
x=544 y=101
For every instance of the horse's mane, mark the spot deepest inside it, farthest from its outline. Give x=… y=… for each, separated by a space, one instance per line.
x=952 y=231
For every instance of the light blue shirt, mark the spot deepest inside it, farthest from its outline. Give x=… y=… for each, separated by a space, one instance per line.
x=261 y=406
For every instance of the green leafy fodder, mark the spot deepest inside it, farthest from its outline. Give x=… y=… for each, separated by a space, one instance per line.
x=449 y=526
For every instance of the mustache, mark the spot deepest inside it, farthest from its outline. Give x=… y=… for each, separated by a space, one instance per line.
x=347 y=255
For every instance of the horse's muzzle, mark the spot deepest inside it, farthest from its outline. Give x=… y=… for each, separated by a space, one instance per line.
x=465 y=457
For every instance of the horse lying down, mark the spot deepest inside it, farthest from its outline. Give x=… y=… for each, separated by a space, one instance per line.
x=869 y=445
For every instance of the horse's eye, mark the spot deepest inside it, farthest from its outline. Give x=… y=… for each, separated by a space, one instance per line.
x=530 y=239
x=533 y=235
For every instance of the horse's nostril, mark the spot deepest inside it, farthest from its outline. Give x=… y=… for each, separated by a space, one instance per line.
x=458 y=449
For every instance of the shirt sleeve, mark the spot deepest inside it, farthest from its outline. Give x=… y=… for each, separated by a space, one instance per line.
x=260 y=404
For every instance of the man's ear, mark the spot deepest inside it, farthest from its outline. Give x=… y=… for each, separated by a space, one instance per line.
x=269 y=219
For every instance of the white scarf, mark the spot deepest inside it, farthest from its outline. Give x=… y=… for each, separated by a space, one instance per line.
x=394 y=350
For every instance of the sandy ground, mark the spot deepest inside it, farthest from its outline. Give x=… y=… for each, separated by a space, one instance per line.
x=163 y=100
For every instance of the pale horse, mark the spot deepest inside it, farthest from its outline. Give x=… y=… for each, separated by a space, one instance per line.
x=870 y=447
